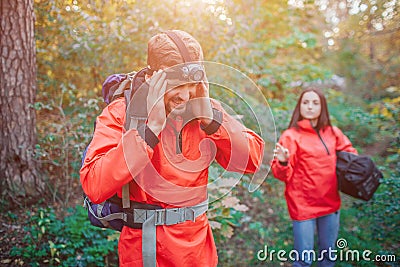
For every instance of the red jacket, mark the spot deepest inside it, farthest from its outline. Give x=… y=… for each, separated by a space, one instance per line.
x=310 y=175
x=166 y=174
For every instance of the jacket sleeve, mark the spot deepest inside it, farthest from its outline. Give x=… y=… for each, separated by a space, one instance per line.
x=239 y=149
x=342 y=142
x=113 y=156
x=285 y=172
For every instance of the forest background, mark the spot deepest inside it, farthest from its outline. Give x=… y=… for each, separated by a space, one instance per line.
x=349 y=48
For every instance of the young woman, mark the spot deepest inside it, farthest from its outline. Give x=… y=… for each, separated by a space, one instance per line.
x=306 y=161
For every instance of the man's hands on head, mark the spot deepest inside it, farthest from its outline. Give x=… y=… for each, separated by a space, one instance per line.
x=155 y=102
x=201 y=105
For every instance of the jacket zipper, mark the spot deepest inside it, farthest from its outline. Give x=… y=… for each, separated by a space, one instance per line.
x=178 y=142
x=320 y=138
x=178 y=138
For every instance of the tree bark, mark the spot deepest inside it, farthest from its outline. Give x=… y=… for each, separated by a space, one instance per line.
x=19 y=179
x=372 y=74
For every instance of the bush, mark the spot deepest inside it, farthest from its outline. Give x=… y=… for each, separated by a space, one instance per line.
x=65 y=128
x=68 y=242
x=384 y=209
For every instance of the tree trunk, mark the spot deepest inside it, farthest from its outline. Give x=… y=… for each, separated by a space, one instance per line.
x=19 y=179
x=373 y=64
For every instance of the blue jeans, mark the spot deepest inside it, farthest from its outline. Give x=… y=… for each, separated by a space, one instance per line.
x=327 y=229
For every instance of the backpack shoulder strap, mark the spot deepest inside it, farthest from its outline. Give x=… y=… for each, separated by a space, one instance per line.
x=135 y=98
x=127 y=91
x=126 y=203
x=125 y=87
x=122 y=87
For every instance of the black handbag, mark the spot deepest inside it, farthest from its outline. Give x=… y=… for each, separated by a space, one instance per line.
x=357 y=175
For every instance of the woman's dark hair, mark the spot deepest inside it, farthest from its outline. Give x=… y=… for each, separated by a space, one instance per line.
x=323 y=119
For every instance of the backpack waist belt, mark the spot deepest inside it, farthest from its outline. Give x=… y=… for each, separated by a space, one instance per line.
x=153 y=217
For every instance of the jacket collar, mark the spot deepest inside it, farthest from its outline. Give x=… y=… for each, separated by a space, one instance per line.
x=306 y=125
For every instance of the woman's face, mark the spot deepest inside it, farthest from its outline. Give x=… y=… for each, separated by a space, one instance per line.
x=310 y=107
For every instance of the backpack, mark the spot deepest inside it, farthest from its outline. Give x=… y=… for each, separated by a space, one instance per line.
x=110 y=213
x=357 y=175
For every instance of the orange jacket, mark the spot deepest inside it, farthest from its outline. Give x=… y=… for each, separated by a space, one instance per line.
x=162 y=172
x=310 y=175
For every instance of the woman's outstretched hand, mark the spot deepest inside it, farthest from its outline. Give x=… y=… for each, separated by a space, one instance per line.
x=281 y=153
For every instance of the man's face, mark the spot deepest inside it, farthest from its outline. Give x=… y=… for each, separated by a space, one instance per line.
x=177 y=96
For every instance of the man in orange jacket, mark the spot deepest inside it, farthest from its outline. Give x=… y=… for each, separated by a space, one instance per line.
x=165 y=161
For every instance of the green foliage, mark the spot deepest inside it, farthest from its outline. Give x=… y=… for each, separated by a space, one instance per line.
x=353 y=119
x=64 y=130
x=385 y=210
x=225 y=211
x=366 y=45
x=68 y=242
x=373 y=225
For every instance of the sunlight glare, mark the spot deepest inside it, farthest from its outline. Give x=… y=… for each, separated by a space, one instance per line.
x=213 y=2
x=296 y=3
